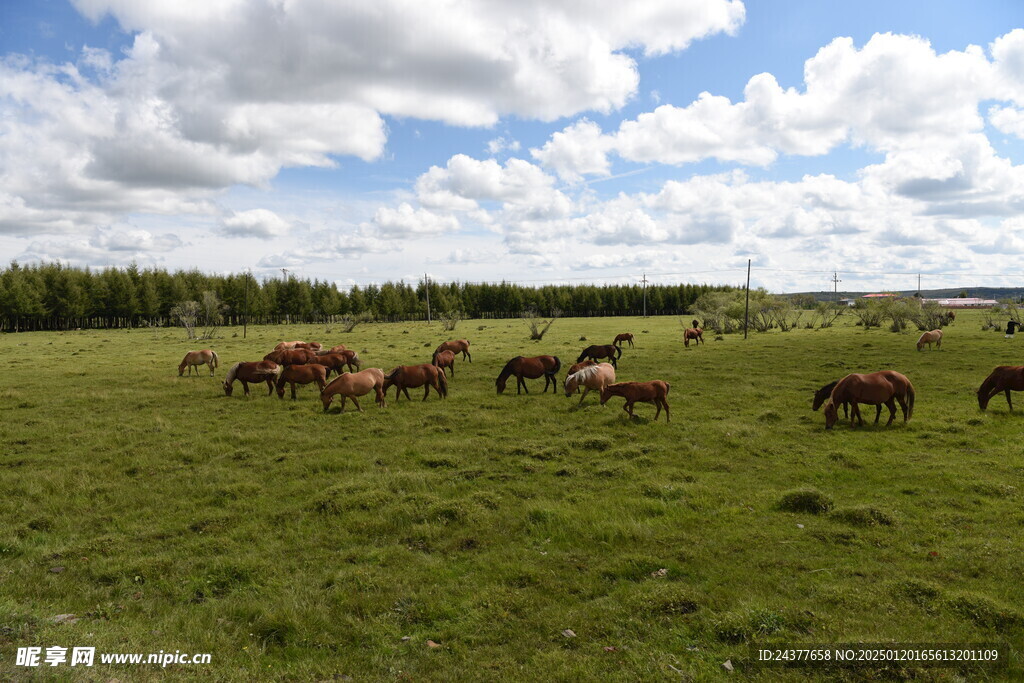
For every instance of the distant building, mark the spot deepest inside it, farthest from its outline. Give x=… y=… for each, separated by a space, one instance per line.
x=848 y=302
x=968 y=302
x=880 y=296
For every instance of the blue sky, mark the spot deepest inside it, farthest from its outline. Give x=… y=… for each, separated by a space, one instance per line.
x=528 y=141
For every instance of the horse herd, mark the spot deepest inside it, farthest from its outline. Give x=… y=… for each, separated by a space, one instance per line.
x=299 y=363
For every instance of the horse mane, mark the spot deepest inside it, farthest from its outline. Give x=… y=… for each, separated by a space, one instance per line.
x=231 y=373
x=391 y=375
x=823 y=394
x=585 y=373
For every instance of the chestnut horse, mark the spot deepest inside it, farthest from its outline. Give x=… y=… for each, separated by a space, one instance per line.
x=595 y=377
x=624 y=337
x=301 y=374
x=193 y=359
x=655 y=392
x=530 y=368
x=288 y=346
x=1004 y=378
x=291 y=356
x=695 y=333
x=444 y=359
x=884 y=387
x=334 y=349
x=354 y=384
x=262 y=371
x=406 y=377
x=930 y=337
x=599 y=351
x=338 y=361
x=456 y=346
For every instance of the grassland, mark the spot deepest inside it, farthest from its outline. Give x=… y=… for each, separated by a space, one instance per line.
x=293 y=544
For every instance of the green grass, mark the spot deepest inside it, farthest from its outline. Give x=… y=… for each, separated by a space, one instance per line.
x=293 y=544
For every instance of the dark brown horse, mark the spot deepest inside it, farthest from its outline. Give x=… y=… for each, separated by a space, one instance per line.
x=263 y=371
x=290 y=356
x=1004 y=378
x=624 y=337
x=655 y=392
x=530 y=368
x=885 y=387
x=455 y=347
x=406 y=377
x=445 y=359
x=599 y=351
x=695 y=333
x=332 y=361
x=301 y=374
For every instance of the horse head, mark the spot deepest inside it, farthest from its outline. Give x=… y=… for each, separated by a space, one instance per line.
x=831 y=415
x=228 y=387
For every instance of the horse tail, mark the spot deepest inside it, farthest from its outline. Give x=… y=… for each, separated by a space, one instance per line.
x=619 y=349
x=216 y=359
x=558 y=365
x=442 y=383
x=667 y=387
x=355 y=360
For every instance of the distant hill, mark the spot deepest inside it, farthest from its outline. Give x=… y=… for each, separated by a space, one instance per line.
x=996 y=293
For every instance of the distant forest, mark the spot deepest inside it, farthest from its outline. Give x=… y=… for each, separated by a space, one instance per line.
x=57 y=297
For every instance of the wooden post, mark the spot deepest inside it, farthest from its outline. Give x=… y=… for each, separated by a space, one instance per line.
x=746 y=312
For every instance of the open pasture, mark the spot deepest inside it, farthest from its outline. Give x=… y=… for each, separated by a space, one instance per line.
x=528 y=537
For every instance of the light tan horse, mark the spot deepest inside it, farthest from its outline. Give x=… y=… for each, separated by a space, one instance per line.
x=354 y=384
x=595 y=377
x=289 y=345
x=935 y=336
x=193 y=359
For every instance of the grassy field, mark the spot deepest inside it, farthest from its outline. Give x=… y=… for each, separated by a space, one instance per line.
x=293 y=544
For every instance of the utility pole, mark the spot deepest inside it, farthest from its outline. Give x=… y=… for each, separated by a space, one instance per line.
x=835 y=285
x=645 y=294
x=746 y=312
x=426 y=285
x=245 y=320
x=919 y=285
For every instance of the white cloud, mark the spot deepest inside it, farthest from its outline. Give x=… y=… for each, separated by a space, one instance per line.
x=407 y=223
x=259 y=223
x=578 y=150
x=502 y=144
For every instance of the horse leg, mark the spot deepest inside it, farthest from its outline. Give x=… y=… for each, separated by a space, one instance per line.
x=854 y=414
x=426 y=391
x=891 y=405
x=343 y=397
x=405 y=390
x=846 y=410
x=626 y=407
x=878 y=412
x=667 y=414
x=586 y=390
x=903 y=406
x=357 y=404
x=211 y=368
x=657 y=412
x=270 y=387
x=1008 y=401
x=293 y=390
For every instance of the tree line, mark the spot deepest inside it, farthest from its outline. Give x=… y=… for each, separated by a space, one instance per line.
x=53 y=296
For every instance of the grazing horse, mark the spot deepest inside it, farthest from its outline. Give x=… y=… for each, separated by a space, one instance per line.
x=595 y=377
x=696 y=333
x=579 y=366
x=876 y=388
x=406 y=377
x=444 y=359
x=291 y=356
x=301 y=374
x=655 y=392
x=348 y=358
x=331 y=361
x=1004 y=378
x=262 y=371
x=599 y=351
x=455 y=347
x=193 y=359
x=288 y=346
x=354 y=384
x=930 y=337
x=624 y=337
x=530 y=368
x=334 y=349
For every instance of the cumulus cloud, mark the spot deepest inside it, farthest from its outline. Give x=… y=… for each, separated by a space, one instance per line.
x=105 y=248
x=406 y=222
x=578 y=150
x=260 y=223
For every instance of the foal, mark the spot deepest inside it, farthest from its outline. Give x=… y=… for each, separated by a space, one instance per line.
x=655 y=391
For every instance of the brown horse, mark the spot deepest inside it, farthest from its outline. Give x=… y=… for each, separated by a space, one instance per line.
x=823 y=394
x=599 y=351
x=301 y=374
x=445 y=359
x=332 y=361
x=624 y=337
x=262 y=371
x=885 y=387
x=406 y=377
x=193 y=359
x=930 y=337
x=309 y=346
x=530 y=368
x=354 y=384
x=655 y=392
x=1004 y=378
x=334 y=349
x=695 y=333
x=455 y=347
x=595 y=377
x=291 y=356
